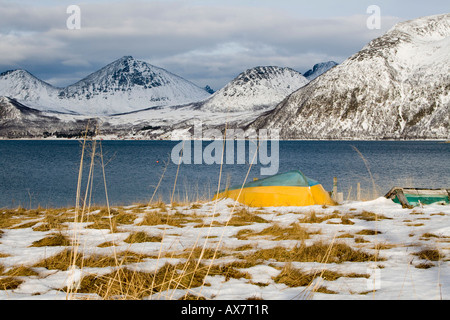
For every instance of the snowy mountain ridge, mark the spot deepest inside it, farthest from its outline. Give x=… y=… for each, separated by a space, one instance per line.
x=396 y=87
x=124 y=85
x=25 y=87
x=257 y=88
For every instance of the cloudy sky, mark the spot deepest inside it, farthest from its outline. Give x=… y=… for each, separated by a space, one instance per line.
x=206 y=41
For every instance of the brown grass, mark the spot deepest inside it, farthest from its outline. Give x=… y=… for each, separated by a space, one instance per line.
x=21 y=271
x=53 y=241
x=106 y=244
x=277 y=232
x=313 y=217
x=368 y=232
x=54 y=221
x=293 y=277
x=425 y=265
x=155 y=218
x=346 y=235
x=9 y=217
x=369 y=216
x=124 y=283
x=65 y=259
x=197 y=252
x=317 y=252
x=429 y=254
x=244 y=217
x=140 y=237
x=10 y=283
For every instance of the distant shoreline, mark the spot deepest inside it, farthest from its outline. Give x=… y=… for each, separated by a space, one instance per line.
x=281 y=140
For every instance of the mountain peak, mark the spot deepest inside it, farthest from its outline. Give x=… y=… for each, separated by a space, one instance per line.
x=395 y=87
x=124 y=59
x=23 y=86
x=319 y=69
x=12 y=71
x=124 y=85
x=257 y=88
x=18 y=73
x=431 y=27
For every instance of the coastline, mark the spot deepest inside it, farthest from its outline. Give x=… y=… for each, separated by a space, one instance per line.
x=106 y=138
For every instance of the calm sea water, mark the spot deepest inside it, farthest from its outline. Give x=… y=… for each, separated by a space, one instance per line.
x=45 y=173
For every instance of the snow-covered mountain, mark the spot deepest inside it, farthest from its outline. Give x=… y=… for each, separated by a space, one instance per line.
x=398 y=86
x=26 y=88
x=126 y=85
x=319 y=69
x=256 y=89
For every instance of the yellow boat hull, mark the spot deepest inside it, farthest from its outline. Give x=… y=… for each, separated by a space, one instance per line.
x=279 y=196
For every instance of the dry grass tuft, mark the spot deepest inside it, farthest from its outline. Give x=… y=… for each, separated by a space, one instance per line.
x=124 y=283
x=369 y=216
x=192 y=297
x=9 y=218
x=244 y=217
x=293 y=277
x=65 y=259
x=229 y=271
x=313 y=217
x=21 y=271
x=368 y=232
x=25 y=225
x=140 y=237
x=346 y=220
x=53 y=221
x=119 y=284
x=429 y=254
x=53 y=241
x=317 y=252
x=197 y=253
x=106 y=244
x=10 y=283
x=156 y=218
x=277 y=232
x=425 y=265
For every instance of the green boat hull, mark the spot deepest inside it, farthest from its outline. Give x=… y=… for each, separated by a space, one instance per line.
x=411 y=197
x=415 y=200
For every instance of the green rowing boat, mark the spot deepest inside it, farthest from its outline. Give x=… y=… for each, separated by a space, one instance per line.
x=415 y=197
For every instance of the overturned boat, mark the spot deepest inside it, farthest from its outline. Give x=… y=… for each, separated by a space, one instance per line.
x=292 y=188
x=414 y=197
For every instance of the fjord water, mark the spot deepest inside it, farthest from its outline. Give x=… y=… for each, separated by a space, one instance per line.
x=45 y=172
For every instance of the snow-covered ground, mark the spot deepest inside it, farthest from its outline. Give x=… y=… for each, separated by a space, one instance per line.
x=397 y=274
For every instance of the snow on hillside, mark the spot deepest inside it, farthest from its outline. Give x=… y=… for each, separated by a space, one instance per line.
x=255 y=89
x=29 y=90
x=128 y=85
x=125 y=85
x=395 y=87
x=411 y=245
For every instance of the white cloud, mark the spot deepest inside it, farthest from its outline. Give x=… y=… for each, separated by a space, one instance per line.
x=200 y=42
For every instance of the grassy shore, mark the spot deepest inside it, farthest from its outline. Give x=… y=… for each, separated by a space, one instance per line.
x=223 y=250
